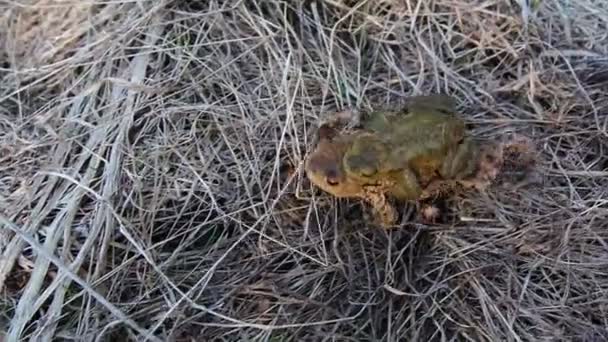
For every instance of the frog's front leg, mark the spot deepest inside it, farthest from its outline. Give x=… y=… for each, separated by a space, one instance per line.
x=438 y=188
x=386 y=214
x=461 y=161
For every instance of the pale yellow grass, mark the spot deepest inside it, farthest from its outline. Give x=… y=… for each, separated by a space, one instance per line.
x=151 y=182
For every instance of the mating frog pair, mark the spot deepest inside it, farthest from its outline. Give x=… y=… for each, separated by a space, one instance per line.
x=401 y=153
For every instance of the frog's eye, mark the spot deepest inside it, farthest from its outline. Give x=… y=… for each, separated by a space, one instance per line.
x=367 y=171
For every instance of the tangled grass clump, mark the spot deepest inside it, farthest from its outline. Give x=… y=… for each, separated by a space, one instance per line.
x=151 y=182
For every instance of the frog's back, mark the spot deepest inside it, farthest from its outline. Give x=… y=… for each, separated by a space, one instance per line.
x=426 y=132
x=423 y=117
x=424 y=129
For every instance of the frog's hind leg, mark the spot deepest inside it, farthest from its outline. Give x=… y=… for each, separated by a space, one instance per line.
x=461 y=162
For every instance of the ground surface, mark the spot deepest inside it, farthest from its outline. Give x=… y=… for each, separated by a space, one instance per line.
x=151 y=180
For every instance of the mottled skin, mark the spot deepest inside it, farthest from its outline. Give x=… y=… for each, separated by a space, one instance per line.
x=325 y=168
x=399 y=153
x=412 y=148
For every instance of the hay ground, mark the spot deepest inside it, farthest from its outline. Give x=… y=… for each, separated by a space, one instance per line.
x=151 y=179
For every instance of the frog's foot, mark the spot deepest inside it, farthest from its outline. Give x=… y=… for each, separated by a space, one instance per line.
x=386 y=213
x=429 y=213
x=489 y=165
x=438 y=189
x=519 y=150
x=433 y=210
x=520 y=158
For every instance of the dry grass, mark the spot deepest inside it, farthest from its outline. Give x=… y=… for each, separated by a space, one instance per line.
x=151 y=180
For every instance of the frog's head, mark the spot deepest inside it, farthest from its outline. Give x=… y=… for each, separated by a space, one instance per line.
x=324 y=164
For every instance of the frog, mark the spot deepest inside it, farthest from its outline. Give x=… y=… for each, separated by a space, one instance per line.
x=325 y=168
x=407 y=154
x=422 y=146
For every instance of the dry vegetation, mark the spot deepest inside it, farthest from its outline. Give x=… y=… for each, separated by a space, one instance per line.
x=151 y=180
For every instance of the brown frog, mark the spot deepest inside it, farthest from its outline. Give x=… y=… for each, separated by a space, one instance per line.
x=405 y=154
x=423 y=143
x=325 y=168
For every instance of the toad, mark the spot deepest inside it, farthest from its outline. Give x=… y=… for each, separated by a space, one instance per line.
x=408 y=154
